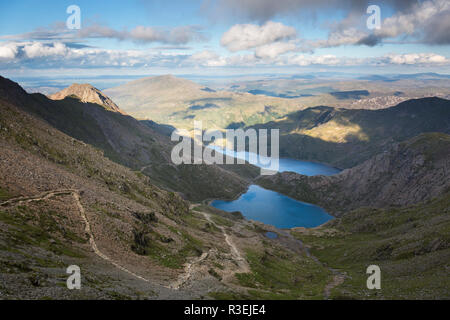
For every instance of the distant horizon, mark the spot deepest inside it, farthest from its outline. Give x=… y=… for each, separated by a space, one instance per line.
x=99 y=81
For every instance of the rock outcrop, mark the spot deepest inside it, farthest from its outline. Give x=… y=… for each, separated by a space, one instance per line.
x=87 y=93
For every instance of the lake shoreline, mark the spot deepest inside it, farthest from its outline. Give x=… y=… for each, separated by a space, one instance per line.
x=274 y=208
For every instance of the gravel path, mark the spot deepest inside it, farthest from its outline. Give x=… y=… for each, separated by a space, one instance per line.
x=87 y=229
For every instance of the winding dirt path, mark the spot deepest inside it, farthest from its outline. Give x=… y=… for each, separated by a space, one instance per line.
x=190 y=267
x=337 y=280
x=189 y=270
x=241 y=262
x=194 y=266
x=87 y=229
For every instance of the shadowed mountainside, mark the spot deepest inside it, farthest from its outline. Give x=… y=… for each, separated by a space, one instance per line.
x=347 y=137
x=393 y=211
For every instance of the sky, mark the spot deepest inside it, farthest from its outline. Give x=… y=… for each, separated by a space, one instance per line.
x=223 y=37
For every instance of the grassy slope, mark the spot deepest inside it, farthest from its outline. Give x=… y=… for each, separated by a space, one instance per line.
x=411 y=246
x=279 y=268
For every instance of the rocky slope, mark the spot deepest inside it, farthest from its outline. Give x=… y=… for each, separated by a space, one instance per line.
x=63 y=203
x=407 y=173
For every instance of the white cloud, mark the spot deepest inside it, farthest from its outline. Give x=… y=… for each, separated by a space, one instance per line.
x=417 y=58
x=426 y=22
x=263 y=10
x=140 y=34
x=338 y=38
x=409 y=22
x=177 y=35
x=38 y=50
x=208 y=59
x=304 y=60
x=8 y=51
x=248 y=36
x=273 y=50
x=36 y=55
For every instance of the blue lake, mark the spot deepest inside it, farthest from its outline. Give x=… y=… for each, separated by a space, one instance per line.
x=273 y=208
x=306 y=168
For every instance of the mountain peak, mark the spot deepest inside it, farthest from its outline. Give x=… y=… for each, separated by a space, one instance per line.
x=87 y=93
x=166 y=80
x=166 y=76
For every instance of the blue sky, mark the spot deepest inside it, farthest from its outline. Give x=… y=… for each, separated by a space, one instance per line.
x=223 y=36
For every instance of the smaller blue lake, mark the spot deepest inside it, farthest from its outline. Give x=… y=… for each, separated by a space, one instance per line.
x=271 y=235
x=275 y=209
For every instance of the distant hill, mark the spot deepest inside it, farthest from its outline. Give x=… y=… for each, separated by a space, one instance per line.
x=176 y=101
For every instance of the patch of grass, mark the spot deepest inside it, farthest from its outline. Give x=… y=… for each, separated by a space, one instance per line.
x=4 y=194
x=214 y=273
x=149 y=243
x=194 y=221
x=24 y=228
x=218 y=265
x=222 y=221
x=14 y=267
x=279 y=274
